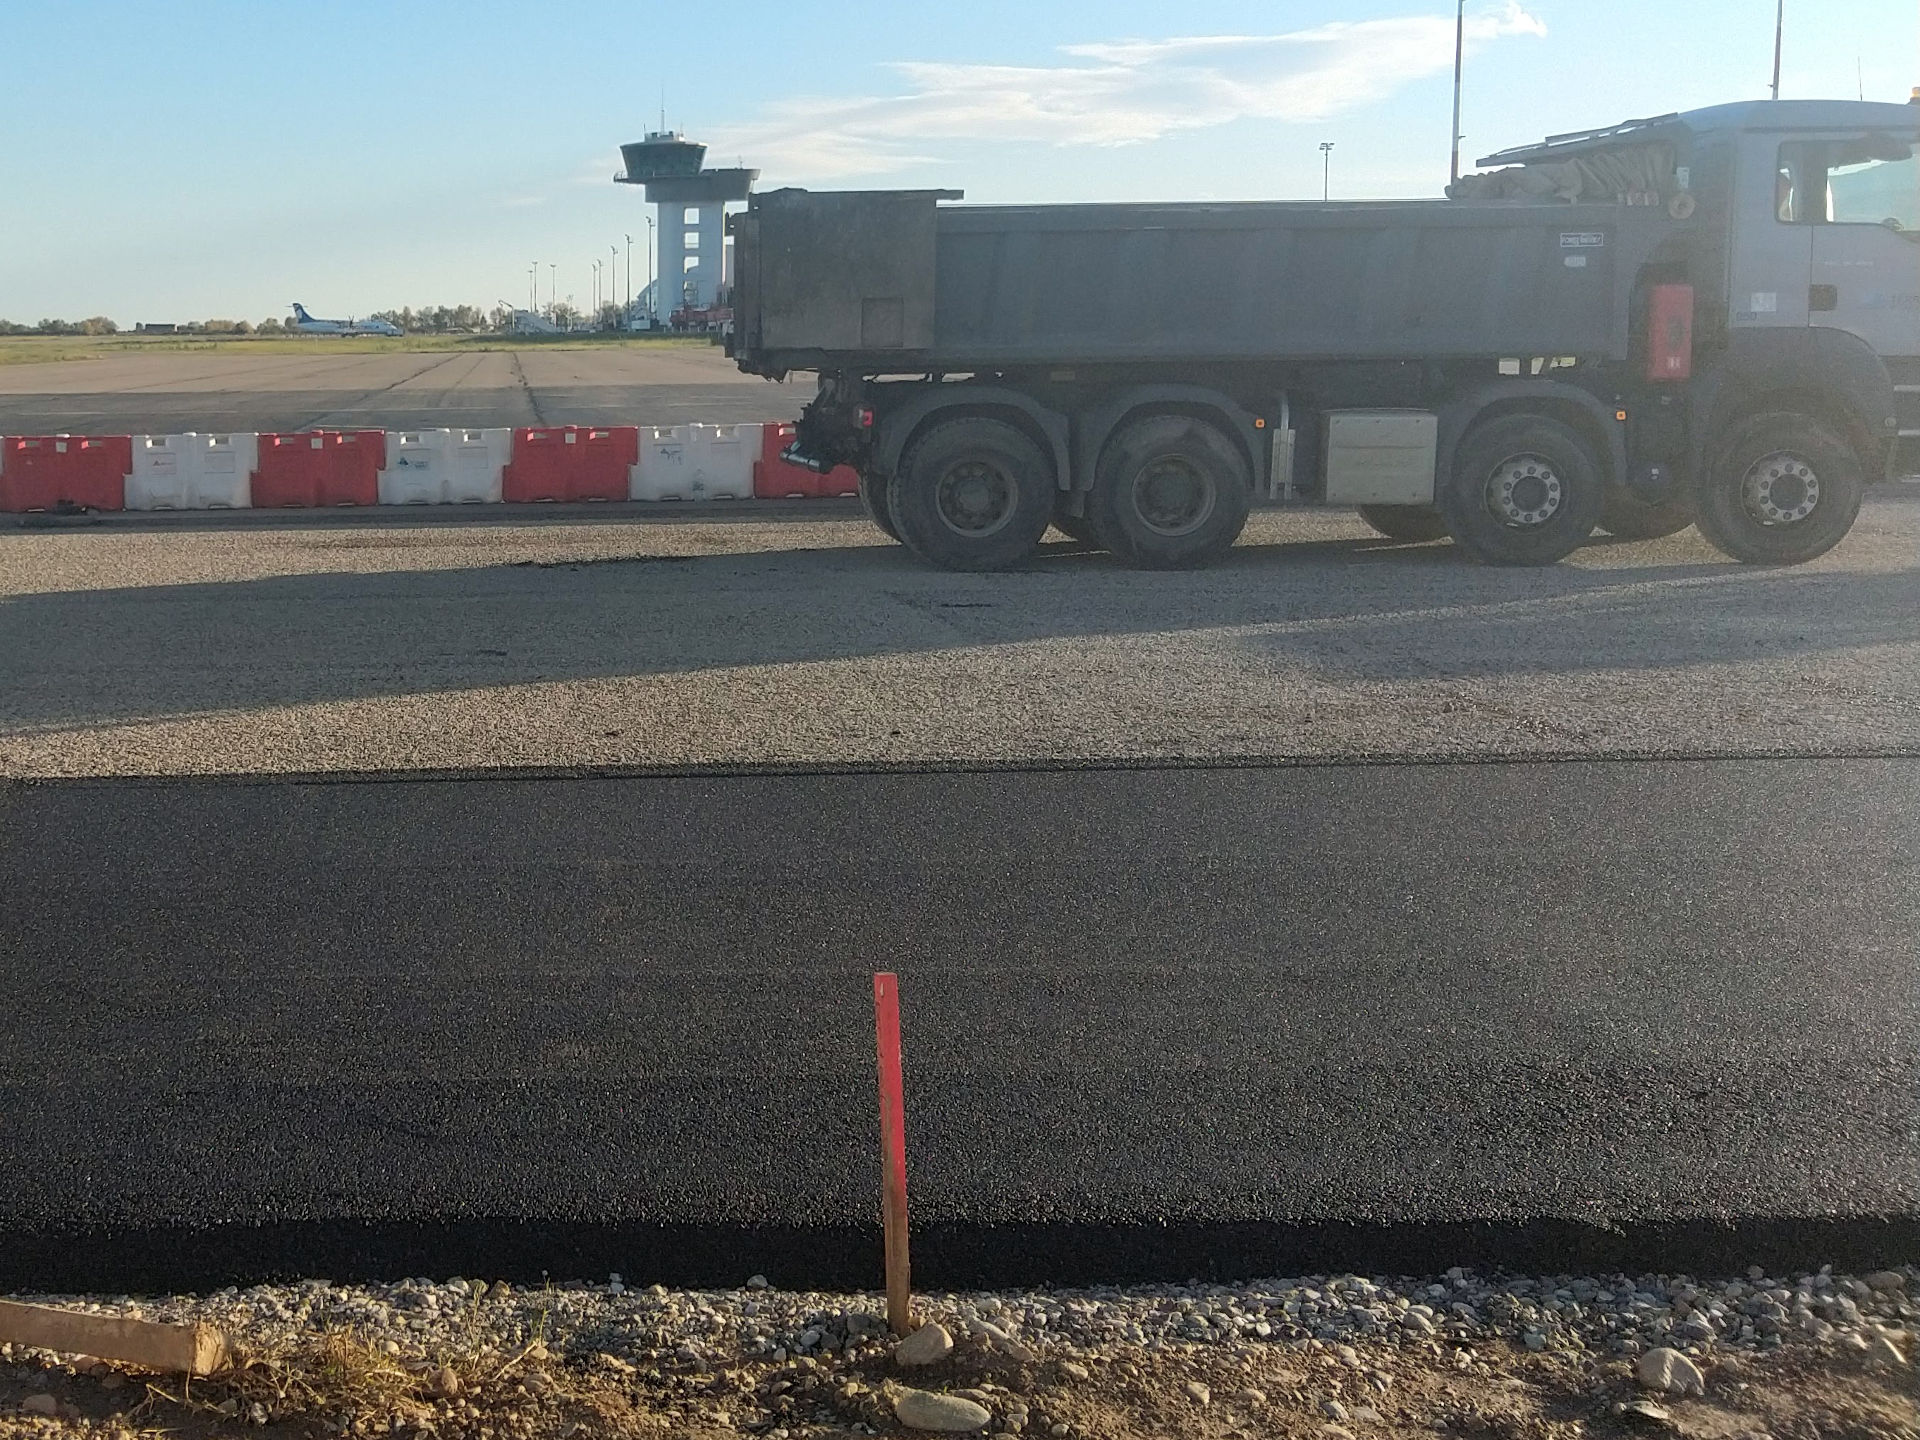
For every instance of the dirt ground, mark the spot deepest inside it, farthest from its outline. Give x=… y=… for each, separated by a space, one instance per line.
x=339 y=1384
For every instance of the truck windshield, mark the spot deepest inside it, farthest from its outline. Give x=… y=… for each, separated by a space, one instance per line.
x=1872 y=180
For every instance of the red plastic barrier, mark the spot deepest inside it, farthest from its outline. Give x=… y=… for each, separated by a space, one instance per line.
x=45 y=472
x=777 y=479
x=311 y=468
x=571 y=462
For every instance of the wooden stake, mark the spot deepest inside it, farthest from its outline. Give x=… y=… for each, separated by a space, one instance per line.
x=893 y=1150
x=172 y=1349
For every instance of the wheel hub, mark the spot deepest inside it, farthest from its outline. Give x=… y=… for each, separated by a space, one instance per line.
x=1780 y=489
x=1172 y=497
x=1524 y=491
x=975 y=498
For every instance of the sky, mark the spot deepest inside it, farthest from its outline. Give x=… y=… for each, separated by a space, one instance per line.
x=192 y=159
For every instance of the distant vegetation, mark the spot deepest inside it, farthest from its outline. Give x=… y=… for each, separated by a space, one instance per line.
x=101 y=325
x=98 y=325
x=445 y=319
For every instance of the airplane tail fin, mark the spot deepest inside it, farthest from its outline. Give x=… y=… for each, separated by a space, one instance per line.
x=300 y=311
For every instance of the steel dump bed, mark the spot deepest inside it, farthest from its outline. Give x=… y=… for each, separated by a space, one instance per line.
x=894 y=282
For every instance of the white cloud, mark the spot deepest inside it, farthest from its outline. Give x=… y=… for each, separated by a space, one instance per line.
x=1112 y=93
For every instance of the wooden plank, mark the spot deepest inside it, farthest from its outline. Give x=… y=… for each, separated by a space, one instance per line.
x=172 y=1349
x=893 y=1152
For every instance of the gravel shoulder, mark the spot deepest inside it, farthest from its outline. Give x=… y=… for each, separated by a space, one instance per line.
x=684 y=639
x=1339 y=1358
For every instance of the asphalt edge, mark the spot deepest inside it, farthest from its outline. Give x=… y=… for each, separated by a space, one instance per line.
x=945 y=1256
x=757 y=769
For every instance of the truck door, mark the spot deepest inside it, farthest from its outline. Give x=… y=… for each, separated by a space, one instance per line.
x=1866 y=242
x=1771 y=246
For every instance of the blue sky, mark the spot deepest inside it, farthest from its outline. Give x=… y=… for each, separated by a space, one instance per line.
x=191 y=160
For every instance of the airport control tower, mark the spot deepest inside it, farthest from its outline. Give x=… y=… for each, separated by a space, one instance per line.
x=691 y=205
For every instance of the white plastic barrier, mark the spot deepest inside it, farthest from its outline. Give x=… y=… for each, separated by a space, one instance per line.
x=695 y=462
x=445 y=467
x=192 y=472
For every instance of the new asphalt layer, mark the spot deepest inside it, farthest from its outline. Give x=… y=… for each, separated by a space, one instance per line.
x=1158 y=1022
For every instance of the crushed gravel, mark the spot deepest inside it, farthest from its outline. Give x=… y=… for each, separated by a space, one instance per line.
x=674 y=638
x=1276 y=1356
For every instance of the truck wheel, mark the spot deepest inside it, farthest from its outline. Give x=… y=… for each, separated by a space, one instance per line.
x=1525 y=490
x=1409 y=524
x=1783 y=489
x=972 y=494
x=1170 y=491
x=873 y=495
x=1625 y=516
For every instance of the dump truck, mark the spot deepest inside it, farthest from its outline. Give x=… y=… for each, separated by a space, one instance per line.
x=1707 y=318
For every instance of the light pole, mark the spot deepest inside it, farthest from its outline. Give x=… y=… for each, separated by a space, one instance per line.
x=613 y=285
x=1459 y=57
x=1326 y=177
x=629 y=272
x=533 y=288
x=594 y=290
x=553 y=287
x=1779 y=33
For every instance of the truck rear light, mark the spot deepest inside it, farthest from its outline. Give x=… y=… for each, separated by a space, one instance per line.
x=865 y=416
x=1670 y=333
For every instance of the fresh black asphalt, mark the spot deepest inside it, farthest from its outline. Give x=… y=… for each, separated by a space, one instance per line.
x=1158 y=1023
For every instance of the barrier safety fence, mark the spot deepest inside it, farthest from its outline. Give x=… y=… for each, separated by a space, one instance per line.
x=315 y=469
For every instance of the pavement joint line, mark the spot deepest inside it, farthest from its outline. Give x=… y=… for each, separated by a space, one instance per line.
x=723 y=770
x=361 y=397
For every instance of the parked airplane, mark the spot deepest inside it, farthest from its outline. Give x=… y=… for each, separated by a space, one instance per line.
x=307 y=325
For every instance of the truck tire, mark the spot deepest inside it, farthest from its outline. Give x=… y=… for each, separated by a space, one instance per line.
x=972 y=494
x=1625 y=516
x=1782 y=489
x=1409 y=524
x=1525 y=490
x=873 y=496
x=1170 y=491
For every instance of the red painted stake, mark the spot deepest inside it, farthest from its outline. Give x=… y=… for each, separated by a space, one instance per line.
x=893 y=1150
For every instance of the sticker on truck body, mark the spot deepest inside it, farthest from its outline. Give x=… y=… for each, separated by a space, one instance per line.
x=1583 y=239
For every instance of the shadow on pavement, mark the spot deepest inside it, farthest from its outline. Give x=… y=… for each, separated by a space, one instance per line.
x=1341 y=609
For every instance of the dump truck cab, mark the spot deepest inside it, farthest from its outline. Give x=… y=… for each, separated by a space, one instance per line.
x=1804 y=253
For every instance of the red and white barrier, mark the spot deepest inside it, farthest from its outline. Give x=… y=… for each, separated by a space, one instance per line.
x=52 y=472
x=320 y=468
x=446 y=467
x=695 y=462
x=313 y=468
x=192 y=472
x=778 y=479
x=571 y=462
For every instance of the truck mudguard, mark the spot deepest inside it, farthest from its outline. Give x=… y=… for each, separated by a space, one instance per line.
x=1836 y=369
x=1094 y=426
x=1457 y=417
x=897 y=426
